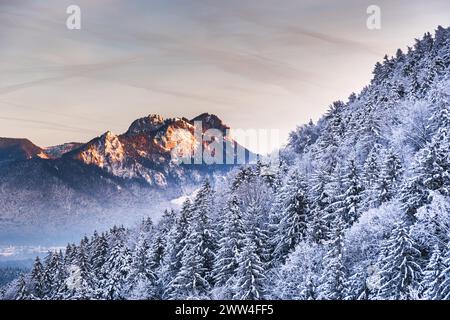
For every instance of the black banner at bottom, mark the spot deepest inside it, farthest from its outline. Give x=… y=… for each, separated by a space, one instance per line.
x=187 y=310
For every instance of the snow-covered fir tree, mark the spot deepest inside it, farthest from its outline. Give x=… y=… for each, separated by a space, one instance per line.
x=141 y=280
x=230 y=244
x=443 y=292
x=176 y=243
x=249 y=282
x=399 y=265
x=195 y=275
x=334 y=279
x=390 y=176
x=37 y=289
x=116 y=269
x=292 y=225
x=431 y=276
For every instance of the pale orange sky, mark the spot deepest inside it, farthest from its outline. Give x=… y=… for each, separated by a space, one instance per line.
x=256 y=63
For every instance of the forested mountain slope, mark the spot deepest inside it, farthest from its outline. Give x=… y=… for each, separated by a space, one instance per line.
x=358 y=209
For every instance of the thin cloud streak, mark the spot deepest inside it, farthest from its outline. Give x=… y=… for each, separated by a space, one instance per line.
x=57 y=126
x=68 y=73
x=59 y=114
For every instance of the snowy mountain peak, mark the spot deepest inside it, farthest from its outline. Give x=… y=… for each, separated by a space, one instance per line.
x=108 y=136
x=146 y=125
x=57 y=151
x=105 y=152
x=210 y=121
x=144 y=152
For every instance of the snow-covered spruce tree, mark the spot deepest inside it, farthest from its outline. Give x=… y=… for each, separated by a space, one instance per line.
x=370 y=177
x=431 y=172
x=195 y=275
x=202 y=211
x=147 y=226
x=80 y=282
x=390 y=177
x=356 y=287
x=118 y=233
x=334 y=278
x=347 y=201
x=256 y=227
x=99 y=251
x=22 y=289
x=318 y=227
x=257 y=230
x=166 y=223
x=176 y=244
x=190 y=282
x=48 y=272
x=399 y=266
x=303 y=137
x=369 y=128
x=156 y=251
x=159 y=238
x=116 y=270
x=440 y=119
x=430 y=283
x=159 y=249
x=141 y=280
x=70 y=254
x=245 y=174
x=444 y=277
x=442 y=45
x=328 y=142
x=249 y=281
x=230 y=245
x=434 y=163
x=54 y=275
x=292 y=226
x=61 y=287
x=413 y=196
x=442 y=112
x=37 y=287
x=156 y=254
x=280 y=175
x=353 y=194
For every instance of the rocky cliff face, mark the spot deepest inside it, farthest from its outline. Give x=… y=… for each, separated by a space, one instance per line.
x=145 y=151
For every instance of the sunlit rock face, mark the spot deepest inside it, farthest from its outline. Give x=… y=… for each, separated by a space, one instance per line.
x=145 y=152
x=146 y=125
